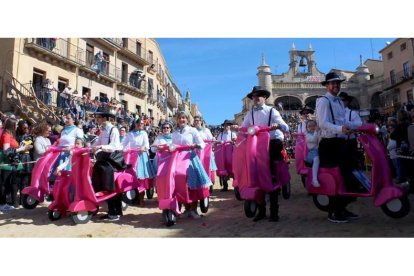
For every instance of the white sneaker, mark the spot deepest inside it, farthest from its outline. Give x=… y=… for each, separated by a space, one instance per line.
x=195 y=215
x=185 y=214
x=315 y=183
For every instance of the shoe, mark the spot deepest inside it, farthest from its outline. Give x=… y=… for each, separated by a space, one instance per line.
x=110 y=217
x=315 y=183
x=349 y=215
x=185 y=214
x=337 y=218
x=6 y=207
x=261 y=214
x=194 y=214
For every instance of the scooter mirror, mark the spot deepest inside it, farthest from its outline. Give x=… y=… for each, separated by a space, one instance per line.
x=171 y=147
x=251 y=130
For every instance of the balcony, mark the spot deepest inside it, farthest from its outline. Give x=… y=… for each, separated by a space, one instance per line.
x=171 y=100
x=152 y=68
x=57 y=51
x=131 y=87
x=139 y=55
x=398 y=79
x=111 y=43
x=108 y=72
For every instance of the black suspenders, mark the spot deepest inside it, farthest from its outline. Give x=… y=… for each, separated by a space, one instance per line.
x=270 y=116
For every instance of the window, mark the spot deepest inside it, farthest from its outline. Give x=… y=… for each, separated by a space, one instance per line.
x=125 y=42
x=62 y=83
x=403 y=46
x=392 y=77
x=151 y=57
x=389 y=55
x=86 y=91
x=105 y=65
x=39 y=77
x=410 y=95
x=124 y=72
x=150 y=87
x=406 y=68
x=138 y=109
x=149 y=112
x=138 y=49
x=124 y=105
x=89 y=55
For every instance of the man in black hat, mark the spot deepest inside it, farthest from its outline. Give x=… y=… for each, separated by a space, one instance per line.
x=330 y=116
x=226 y=135
x=103 y=171
x=264 y=115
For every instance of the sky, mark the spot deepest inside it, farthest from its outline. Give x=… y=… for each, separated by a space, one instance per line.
x=219 y=72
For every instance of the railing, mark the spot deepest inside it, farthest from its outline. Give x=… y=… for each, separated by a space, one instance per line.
x=58 y=46
x=132 y=47
x=117 y=41
x=105 y=68
x=398 y=78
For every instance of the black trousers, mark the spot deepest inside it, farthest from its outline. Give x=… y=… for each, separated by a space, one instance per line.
x=334 y=152
x=9 y=184
x=115 y=205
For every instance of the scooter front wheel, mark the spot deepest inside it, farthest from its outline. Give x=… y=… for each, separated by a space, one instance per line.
x=397 y=207
x=286 y=191
x=150 y=193
x=130 y=197
x=29 y=202
x=81 y=217
x=250 y=208
x=237 y=193
x=169 y=217
x=321 y=202
x=204 y=204
x=53 y=215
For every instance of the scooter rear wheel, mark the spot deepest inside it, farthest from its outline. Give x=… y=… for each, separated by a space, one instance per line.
x=150 y=193
x=81 y=217
x=169 y=217
x=286 y=191
x=130 y=197
x=53 y=215
x=397 y=208
x=29 y=202
x=321 y=202
x=250 y=208
x=204 y=204
x=237 y=193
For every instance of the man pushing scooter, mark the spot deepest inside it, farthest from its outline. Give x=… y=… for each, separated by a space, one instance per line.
x=264 y=115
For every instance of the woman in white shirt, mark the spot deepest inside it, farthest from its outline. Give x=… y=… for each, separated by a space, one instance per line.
x=42 y=142
x=197 y=177
x=164 y=138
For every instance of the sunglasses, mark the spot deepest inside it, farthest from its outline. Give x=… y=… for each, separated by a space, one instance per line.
x=166 y=128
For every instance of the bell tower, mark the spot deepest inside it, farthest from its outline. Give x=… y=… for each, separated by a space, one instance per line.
x=264 y=76
x=302 y=62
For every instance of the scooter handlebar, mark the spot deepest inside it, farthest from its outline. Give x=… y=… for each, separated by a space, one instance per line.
x=255 y=129
x=368 y=128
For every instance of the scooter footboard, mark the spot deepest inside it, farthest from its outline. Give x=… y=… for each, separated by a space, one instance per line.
x=169 y=204
x=82 y=206
x=252 y=193
x=329 y=179
x=388 y=193
x=33 y=192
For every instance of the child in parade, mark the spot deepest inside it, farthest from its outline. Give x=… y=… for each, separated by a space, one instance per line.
x=312 y=140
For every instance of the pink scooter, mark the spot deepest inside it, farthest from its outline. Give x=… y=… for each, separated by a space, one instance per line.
x=301 y=151
x=392 y=199
x=251 y=168
x=205 y=158
x=224 y=157
x=39 y=184
x=172 y=188
x=86 y=201
x=131 y=156
x=61 y=195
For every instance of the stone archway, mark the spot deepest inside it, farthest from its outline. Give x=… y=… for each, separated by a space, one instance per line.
x=289 y=102
x=311 y=101
x=376 y=100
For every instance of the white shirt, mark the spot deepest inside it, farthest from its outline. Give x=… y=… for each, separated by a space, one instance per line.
x=69 y=138
x=392 y=148
x=261 y=118
x=302 y=127
x=41 y=145
x=205 y=133
x=160 y=140
x=187 y=136
x=103 y=139
x=136 y=140
x=324 y=117
x=352 y=119
x=312 y=140
x=226 y=136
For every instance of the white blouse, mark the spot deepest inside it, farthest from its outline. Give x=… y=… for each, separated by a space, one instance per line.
x=136 y=140
x=312 y=140
x=226 y=136
x=69 y=138
x=205 y=133
x=187 y=136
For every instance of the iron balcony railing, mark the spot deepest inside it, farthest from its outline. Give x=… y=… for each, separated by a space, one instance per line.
x=58 y=46
x=398 y=78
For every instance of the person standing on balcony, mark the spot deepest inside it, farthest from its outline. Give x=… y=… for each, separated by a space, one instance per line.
x=64 y=95
x=98 y=63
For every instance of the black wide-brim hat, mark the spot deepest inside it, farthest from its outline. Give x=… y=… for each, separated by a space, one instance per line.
x=228 y=122
x=306 y=109
x=331 y=77
x=259 y=91
x=344 y=96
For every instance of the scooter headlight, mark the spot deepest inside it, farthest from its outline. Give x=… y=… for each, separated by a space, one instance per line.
x=251 y=130
x=171 y=147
